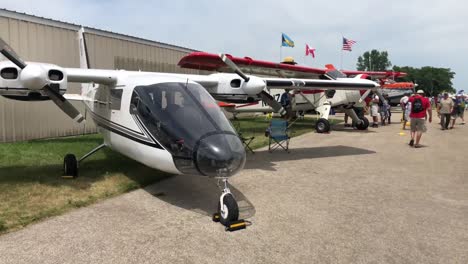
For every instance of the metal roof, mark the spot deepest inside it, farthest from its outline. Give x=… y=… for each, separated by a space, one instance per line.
x=60 y=24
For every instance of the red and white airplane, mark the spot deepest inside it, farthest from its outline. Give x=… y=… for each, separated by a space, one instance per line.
x=319 y=100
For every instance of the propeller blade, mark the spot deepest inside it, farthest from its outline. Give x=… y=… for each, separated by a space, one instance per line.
x=63 y=103
x=269 y=100
x=8 y=52
x=234 y=67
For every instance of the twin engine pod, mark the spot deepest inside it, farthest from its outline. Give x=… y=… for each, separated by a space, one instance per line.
x=27 y=84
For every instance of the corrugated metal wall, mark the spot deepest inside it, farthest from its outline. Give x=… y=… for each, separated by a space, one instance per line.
x=46 y=43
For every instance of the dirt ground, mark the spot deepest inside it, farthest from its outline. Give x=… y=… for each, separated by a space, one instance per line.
x=345 y=197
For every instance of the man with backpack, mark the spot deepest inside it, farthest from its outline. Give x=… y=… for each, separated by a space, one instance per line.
x=419 y=106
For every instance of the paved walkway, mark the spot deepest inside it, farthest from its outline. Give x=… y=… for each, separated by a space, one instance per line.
x=346 y=197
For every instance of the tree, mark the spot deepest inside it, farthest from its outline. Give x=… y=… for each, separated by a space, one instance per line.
x=373 y=61
x=432 y=80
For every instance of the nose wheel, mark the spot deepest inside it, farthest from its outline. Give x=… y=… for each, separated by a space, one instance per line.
x=228 y=210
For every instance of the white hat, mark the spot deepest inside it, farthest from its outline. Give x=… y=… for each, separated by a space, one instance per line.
x=420 y=92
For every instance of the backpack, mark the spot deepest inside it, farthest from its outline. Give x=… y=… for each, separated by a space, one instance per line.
x=417 y=105
x=285 y=99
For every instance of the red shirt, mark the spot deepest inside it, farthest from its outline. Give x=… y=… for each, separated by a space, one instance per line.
x=425 y=103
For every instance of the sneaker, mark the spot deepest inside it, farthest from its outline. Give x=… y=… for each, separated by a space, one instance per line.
x=411 y=143
x=418 y=146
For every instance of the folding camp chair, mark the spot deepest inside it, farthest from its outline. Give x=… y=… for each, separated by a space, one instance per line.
x=278 y=135
x=245 y=140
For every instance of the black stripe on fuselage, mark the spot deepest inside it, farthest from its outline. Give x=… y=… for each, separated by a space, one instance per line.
x=120 y=130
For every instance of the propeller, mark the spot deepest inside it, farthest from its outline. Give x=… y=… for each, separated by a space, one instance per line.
x=255 y=86
x=62 y=103
x=33 y=76
x=6 y=50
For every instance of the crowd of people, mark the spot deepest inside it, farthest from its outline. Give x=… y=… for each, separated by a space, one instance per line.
x=417 y=110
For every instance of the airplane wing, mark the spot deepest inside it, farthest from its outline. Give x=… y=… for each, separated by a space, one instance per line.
x=213 y=62
x=312 y=84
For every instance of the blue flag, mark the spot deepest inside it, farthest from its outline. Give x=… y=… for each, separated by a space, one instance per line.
x=286 y=41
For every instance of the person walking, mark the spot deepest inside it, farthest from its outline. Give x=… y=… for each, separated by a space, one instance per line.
x=375 y=110
x=461 y=108
x=444 y=110
x=405 y=108
x=419 y=106
x=286 y=103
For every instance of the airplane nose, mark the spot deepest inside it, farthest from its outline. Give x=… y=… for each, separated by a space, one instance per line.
x=220 y=155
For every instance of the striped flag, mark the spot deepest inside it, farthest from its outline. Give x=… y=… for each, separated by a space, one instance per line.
x=348 y=44
x=286 y=41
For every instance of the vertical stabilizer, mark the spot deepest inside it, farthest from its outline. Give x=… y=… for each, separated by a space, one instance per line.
x=84 y=59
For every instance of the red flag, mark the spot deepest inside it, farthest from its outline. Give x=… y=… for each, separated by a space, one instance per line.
x=310 y=51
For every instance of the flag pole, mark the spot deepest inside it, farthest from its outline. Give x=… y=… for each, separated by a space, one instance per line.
x=341 y=59
x=281 y=52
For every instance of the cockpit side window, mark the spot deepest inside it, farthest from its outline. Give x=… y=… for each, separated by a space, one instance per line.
x=178 y=115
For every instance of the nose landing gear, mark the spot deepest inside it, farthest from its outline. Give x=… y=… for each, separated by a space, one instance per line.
x=228 y=209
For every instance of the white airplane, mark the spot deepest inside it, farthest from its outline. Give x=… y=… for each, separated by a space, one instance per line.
x=166 y=121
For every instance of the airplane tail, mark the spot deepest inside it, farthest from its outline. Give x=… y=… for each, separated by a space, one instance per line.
x=84 y=59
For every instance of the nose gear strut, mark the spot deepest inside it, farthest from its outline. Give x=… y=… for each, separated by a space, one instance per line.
x=228 y=210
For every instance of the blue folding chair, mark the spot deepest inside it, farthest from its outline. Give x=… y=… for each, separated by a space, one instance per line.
x=278 y=135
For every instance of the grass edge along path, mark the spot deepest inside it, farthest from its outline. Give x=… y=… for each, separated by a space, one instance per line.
x=31 y=188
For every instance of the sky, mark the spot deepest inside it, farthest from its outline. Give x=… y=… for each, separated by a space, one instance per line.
x=415 y=33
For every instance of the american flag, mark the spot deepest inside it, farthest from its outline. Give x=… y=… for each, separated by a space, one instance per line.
x=348 y=44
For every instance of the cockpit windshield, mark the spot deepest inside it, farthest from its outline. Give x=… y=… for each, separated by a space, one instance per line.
x=179 y=116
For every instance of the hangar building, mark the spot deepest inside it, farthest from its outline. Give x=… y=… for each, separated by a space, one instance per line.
x=46 y=40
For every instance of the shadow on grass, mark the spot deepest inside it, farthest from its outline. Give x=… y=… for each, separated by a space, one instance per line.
x=265 y=160
x=195 y=193
x=90 y=171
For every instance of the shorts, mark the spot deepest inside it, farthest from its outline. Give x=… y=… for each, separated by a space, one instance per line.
x=454 y=116
x=418 y=125
x=374 y=110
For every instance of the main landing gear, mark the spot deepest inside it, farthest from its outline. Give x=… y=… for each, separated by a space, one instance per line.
x=228 y=210
x=70 y=163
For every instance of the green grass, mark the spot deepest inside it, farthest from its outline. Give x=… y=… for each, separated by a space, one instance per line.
x=31 y=188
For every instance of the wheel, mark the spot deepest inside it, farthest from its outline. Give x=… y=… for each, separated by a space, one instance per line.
x=70 y=166
x=363 y=125
x=322 y=126
x=229 y=211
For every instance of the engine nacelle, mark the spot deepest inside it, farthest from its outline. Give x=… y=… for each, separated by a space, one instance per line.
x=27 y=84
x=233 y=89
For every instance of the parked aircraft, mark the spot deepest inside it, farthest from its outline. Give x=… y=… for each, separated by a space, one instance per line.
x=166 y=121
x=320 y=101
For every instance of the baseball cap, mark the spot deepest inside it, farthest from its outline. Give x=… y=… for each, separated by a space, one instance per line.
x=420 y=92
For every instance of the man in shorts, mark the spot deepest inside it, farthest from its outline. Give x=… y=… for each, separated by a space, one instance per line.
x=419 y=106
x=375 y=110
x=405 y=107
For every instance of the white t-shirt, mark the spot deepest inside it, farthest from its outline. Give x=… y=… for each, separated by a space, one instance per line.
x=404 y=100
